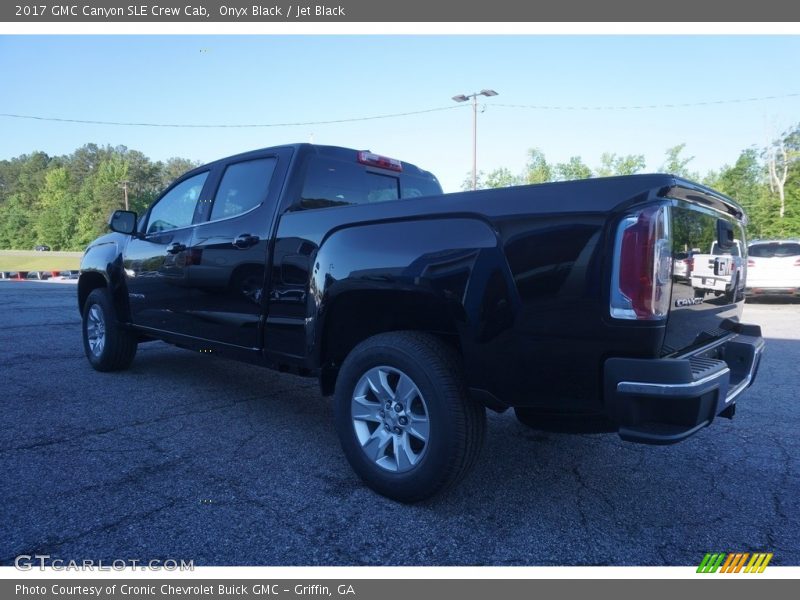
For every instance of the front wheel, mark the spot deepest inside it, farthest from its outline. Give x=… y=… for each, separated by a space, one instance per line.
x=107 y=345
x=405 y=420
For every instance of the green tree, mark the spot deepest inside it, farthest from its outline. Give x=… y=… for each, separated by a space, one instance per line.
x=82 y=164
x=783 y=162
x=16 y=229
x=677 y=164
x=537 y=170
x=65 y=201
x=55 y=225
x=21 y=180
x=500 y=178
x=574 y=168
x=147 y=179
x=101 y=195
x=611 y=164
x=466 y=185
x=745 y=182
x=712 y=177
x=173 y=168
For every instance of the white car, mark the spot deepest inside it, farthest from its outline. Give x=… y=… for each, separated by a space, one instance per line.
x=683 y=264
x=773 y=268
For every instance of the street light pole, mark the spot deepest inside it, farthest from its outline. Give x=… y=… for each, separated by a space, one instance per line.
x=474 y=142
x=474 y=98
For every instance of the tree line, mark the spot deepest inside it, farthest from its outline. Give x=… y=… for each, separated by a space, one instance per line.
x=765 y=181
x=64 y=201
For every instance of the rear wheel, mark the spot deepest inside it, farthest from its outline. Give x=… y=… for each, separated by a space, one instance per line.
x=107 y=345
x=405 y=420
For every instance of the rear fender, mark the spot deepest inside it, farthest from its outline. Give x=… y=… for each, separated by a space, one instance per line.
x=447 y=275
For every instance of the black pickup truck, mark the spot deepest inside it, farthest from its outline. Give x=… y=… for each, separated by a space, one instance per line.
x=418 y=310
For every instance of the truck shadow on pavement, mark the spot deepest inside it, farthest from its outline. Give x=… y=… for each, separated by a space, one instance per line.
x=195 y=456
x=554 y=498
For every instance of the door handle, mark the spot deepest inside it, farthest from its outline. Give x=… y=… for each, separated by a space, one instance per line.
x=245 y=241
x=175 y=247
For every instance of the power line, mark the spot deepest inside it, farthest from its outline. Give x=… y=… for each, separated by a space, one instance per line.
x=647 y=106
x=230 y=126
x=395 y=115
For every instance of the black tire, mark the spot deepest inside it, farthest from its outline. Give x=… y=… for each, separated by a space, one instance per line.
x=456 y=423
x=118 y=346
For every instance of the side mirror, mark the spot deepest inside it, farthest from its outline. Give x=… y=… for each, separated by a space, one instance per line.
x=725 y=234
x=123 y=221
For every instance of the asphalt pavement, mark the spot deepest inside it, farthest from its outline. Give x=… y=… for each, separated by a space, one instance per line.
x=190 y=456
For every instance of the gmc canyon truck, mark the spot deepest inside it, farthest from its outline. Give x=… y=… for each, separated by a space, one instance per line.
x=418 y=310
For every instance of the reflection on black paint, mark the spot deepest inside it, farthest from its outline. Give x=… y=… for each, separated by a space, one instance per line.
x=542 y=260
x=691 y=310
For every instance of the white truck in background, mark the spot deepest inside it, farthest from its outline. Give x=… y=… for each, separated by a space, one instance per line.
x=720 y=272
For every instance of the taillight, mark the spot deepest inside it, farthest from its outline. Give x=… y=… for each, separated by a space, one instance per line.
x=375 y=160
x=641 y=280
x=797 y=263
x=751 y=262
x=690 y=264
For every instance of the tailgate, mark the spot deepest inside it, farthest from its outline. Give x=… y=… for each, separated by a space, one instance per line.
x=696 y=317
x=703 y=265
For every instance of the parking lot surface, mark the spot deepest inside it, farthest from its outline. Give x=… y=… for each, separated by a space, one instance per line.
x=190 y=456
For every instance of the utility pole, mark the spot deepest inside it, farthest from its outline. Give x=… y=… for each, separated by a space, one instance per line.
x=124 y=186
x=474 y=98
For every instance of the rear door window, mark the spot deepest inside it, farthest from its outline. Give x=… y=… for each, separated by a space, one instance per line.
x=243 y=186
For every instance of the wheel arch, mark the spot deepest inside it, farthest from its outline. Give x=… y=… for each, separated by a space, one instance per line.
x=101 y=266
x=91 y=280
x=358 y=315
x=87 y=283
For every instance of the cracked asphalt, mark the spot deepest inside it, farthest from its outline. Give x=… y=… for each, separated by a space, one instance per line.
x=189 y=456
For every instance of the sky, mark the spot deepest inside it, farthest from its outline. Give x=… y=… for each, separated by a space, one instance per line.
x=268 y=79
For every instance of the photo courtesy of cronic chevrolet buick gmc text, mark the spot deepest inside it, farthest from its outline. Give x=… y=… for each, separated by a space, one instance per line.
x=418 y=310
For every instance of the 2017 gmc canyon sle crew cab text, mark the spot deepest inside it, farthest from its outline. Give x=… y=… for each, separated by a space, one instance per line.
x=418 y=310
